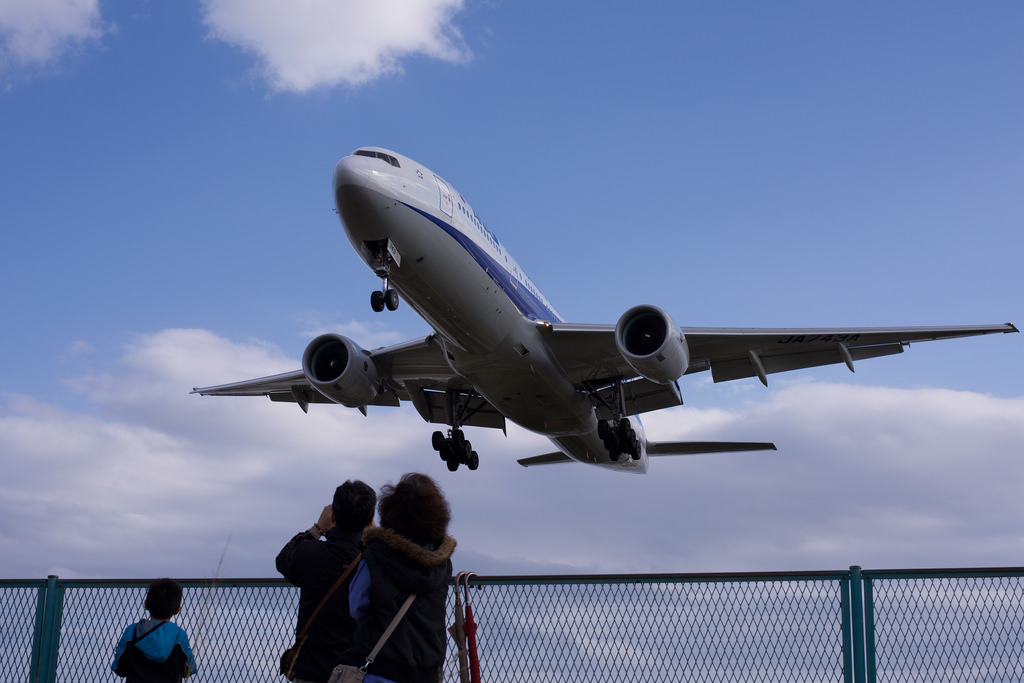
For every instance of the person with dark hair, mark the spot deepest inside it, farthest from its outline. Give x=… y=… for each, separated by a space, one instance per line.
x=155 y=649
x=315 y=567
x=409 y=553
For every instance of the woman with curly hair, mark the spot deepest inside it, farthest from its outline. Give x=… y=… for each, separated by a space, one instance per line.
x=409 y=553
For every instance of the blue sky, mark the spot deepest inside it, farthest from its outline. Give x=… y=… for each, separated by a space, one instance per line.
x=168 y=223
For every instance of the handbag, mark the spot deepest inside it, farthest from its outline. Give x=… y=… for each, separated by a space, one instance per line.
x=289 y=657
x=346 y=673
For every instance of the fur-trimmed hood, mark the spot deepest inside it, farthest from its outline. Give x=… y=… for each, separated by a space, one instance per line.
x=421 y=555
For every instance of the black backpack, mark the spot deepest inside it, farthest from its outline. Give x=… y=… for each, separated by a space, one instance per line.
x=136 y=667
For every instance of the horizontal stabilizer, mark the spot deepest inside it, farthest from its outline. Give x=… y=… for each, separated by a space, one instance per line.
x=546 y=459
x=666 y=448
x=699 y=447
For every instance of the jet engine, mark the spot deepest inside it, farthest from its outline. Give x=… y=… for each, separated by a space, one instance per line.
x=652 y=344
x=341 y=371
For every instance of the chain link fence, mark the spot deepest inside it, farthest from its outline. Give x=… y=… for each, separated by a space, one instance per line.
x=21 y=609
x=663 y=628
x=955 y=625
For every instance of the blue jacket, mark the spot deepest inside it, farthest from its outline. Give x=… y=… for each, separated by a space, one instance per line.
x=154 y=650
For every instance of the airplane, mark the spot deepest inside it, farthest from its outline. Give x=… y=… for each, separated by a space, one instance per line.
x=499 y=351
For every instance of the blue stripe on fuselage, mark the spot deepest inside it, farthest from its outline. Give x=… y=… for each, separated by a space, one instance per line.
x=520 y=295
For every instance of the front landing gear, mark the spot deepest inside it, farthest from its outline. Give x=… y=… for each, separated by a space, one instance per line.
x=455 y=450
x=386 y=255
x=384 y=297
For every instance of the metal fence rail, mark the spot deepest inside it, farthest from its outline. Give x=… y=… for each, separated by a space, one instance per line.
x=853 y=626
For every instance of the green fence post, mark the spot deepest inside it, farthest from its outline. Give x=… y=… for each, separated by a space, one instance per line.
x=857 y=616
x=844 y=610
x=46 y=640
x=869 y=627
x=37 y=632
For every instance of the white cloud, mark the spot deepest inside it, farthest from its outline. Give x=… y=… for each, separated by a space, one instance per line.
x=152 y=480
x=169 y=474
x=371 y=334
x=314 y=43
x=36 y=32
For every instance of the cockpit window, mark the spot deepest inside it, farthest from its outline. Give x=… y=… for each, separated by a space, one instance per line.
x=378 y=155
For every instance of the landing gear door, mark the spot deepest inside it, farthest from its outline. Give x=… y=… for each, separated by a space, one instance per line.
x=396 y=256
x=447 y=202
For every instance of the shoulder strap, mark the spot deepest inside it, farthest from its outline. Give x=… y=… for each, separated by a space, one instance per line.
x=391 y=629
x=327 y=596
x=135 y=632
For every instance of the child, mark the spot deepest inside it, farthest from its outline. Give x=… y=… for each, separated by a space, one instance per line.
x=156 y=649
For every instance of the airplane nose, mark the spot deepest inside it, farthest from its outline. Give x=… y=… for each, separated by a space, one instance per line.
x=357 y=197
x=350 y=170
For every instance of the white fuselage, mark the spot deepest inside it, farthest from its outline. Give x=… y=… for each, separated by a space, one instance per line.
x=454 y=273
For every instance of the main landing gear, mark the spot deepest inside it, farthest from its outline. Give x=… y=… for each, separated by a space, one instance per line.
x=455 y=450
x=619 y=438
x=617 y=434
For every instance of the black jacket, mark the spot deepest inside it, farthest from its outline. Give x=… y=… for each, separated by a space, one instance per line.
x=415 y=652
x=314 y=566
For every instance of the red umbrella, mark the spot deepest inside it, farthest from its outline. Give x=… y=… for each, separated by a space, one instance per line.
x=458 y=632
x=470 y=626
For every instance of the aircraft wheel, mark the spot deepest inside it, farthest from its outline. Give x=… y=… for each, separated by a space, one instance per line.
x=437 y=440
x=602 y=429
x=377 y=301
x=614 y=454
x=467 y=452
x=391 y=299
x=453 y=464
x=474 y=461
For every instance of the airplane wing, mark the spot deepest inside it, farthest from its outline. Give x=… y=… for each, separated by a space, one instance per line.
x=414 y=371
x=288 y=386
x=588 y=355
x=665 y=448
x=735 y=354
